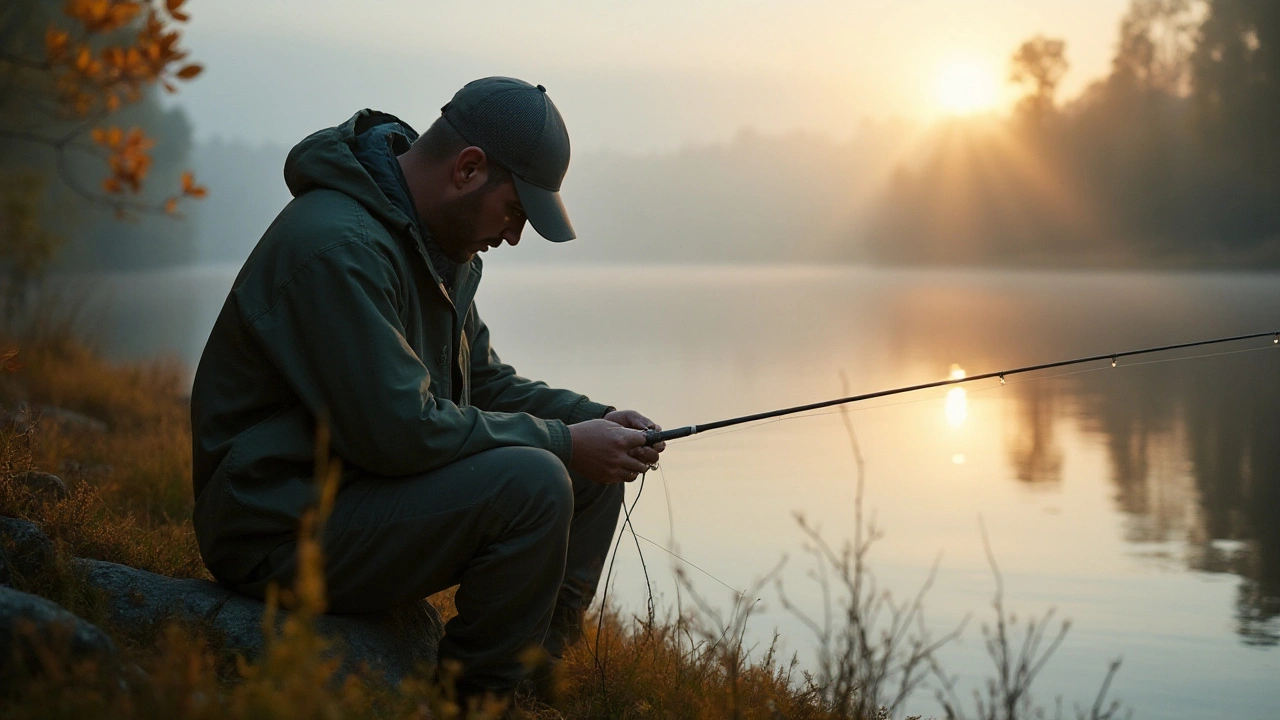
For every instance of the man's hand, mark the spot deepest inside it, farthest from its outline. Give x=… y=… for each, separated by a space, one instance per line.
x=633 y=419
x=603 y=451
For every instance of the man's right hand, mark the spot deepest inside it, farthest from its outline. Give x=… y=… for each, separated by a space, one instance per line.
x=600 y=451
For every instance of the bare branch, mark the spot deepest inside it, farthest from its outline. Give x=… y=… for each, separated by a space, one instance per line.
x=25 y=62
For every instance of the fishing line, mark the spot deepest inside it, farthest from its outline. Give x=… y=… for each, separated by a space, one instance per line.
x=604 y=598
x=627 y=525
x=668 y=551
x=1191 y=357
x=666 y=494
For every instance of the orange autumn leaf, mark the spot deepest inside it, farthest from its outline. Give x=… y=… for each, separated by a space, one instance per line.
x=9 y=361
x=122 y=13
x=175 y=10
x=171 y=206
x=55 y=43
x=190 y=188
x=99 y=16
x=190 y=71
x=138 y=140
x=83 y=58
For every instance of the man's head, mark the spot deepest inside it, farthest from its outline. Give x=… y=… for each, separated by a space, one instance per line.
x=496 y=156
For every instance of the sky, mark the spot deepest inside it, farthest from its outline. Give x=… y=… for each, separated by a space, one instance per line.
x=628 y=77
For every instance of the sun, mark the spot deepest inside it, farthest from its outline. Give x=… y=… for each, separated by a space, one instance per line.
x=965 y=88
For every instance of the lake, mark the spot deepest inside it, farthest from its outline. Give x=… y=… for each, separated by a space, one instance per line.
x=1139 y=501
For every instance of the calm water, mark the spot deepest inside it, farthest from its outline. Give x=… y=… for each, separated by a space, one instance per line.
x=1141 y=502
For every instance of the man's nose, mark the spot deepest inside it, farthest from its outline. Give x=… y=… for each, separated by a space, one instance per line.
x=512 y=235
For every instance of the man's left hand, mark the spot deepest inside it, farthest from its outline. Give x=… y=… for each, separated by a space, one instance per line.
x=636 y=421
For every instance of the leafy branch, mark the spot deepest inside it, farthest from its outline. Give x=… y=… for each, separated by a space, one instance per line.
x=108 y=55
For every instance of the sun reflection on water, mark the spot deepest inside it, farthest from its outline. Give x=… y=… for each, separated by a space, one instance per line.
x=957 y=407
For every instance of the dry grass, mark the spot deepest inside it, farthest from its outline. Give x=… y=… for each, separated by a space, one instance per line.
x=130 y=503
x=687 y=666
x=130 y=482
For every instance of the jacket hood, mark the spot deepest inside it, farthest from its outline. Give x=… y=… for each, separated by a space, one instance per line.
x=328 y=159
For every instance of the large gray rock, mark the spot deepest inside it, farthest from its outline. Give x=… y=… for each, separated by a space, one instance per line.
x=26 y=549
x=28 y=622
x=24 y=416
x=44 y=486
x=391 y=643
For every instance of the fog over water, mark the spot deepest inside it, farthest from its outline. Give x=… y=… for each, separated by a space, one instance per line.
x=775 y=207
x=794 y=197
x=1138 y=501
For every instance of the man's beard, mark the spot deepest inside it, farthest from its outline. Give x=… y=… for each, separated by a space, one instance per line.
x=458 y=220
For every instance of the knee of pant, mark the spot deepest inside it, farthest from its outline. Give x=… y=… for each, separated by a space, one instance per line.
x=542 y=482
x=607 y=495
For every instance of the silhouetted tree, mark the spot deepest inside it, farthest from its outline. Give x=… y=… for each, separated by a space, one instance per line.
x=1039 y=64
x=26 y=244
x=1157 y=38
x=1236 y=71
x=1120 y=176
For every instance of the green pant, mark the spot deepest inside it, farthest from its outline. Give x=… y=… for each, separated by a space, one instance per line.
x=524 y=540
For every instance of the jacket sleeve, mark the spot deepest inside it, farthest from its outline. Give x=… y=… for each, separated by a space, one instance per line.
x=496 y=386
x=334 y=332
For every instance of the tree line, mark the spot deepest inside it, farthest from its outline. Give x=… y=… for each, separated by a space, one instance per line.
x=1172 y=160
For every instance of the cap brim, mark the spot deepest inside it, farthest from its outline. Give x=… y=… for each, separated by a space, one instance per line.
x=545 y=211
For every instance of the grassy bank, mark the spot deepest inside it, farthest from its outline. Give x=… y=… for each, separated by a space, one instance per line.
x=119 y=436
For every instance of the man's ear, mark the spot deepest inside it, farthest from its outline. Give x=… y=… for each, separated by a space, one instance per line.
x=470 y=168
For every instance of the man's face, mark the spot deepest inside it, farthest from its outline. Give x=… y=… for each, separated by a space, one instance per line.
x=481 y=219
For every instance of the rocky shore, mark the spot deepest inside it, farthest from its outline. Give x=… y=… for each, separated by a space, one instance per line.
x=137 y=602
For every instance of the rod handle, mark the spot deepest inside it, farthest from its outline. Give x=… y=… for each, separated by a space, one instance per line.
x=653 y=437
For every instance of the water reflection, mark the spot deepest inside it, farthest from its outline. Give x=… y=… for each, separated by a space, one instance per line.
x=957 y=407
x=1221 y=417
x=1033 y=446
x=1192 y=448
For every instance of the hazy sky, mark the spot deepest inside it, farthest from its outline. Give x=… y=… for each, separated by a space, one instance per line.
x=633 y=76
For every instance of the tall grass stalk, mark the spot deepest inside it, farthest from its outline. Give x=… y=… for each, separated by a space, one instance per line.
x=873 y=650
x=1019 y=651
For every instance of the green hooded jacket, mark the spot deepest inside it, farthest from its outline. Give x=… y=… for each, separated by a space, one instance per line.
x=339 y=314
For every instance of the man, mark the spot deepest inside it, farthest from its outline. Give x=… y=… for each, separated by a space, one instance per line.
x=355 y=309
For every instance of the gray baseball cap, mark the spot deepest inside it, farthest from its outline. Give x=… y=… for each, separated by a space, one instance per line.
x=517 y=125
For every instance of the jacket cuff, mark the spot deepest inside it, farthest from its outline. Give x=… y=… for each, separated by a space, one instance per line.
x=561 y=441
x=585 y=410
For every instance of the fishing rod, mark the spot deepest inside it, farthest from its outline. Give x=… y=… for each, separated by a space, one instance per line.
x=655 y=436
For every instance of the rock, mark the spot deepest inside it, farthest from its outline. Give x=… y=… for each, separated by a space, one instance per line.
x=6 y=577
x=24 y=416
x=42 y=485
x=29 y=621
x=27 y=550
x=392 y=643
x=70 y=419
